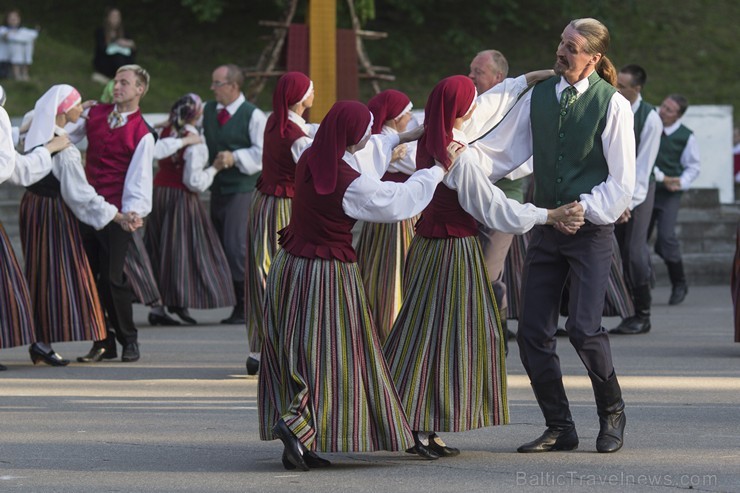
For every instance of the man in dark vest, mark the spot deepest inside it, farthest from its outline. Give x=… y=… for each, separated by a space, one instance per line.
x=578 y=129
x=120 y=153
x=234 y=131
x=632 y=227
x=676 y=167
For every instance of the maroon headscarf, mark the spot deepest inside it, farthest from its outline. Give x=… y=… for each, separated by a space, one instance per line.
x=291 y=89
x=451 y=98
x=387 y=105
x=344 y=125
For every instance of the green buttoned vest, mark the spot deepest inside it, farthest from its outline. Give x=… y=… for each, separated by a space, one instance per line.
x=671 y=148
x=568 y=154
x=232 y=136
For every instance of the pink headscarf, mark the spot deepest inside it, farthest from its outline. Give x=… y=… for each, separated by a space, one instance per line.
x=346 y=124
x=451 y=98
x=388 y=105
x=292 y=88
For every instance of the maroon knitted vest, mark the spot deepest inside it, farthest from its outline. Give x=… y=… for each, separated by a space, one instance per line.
x=109 y=152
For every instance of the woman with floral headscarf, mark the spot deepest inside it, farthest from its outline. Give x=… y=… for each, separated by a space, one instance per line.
x=286 y=136
x=65 y=299
x=446 y=349
x=188 y=260
x=323 y=382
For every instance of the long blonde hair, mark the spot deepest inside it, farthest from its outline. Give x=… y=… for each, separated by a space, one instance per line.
x=597 y=41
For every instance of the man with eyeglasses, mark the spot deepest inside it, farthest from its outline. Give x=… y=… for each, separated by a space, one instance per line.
x=234 y=130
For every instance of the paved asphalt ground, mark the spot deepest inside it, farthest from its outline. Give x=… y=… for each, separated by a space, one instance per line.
x=184 y=418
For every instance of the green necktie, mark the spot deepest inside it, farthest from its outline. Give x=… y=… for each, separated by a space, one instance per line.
x=567 y=98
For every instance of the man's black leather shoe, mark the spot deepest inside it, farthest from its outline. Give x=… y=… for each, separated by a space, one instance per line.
x=98 y=353
x=130 y=353
x=157 y=319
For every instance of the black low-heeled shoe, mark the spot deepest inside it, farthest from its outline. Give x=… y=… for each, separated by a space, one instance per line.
x=157 y=319
x=312 y=460
x=3 y=367
x=253 y=366
x=440 y=448
x=51 y=357
x=423 y=451
x=183 y=314
x=293 y=452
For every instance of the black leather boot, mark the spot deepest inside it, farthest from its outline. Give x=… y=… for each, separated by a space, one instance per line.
x=639 y=323
x=237 y=316
x=610 y=408
x=561 y=431
x=678 y=280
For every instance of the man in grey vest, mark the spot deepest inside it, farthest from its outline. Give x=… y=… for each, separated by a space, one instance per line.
x=676 y=167
x=234 y=131
x=578 y=129
x=632 y=227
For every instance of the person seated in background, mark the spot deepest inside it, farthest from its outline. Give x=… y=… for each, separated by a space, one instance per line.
x=16 y=46
x=113 y=48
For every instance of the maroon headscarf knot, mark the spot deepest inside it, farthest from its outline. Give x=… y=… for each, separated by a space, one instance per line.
x=387 y=105
x=451 y=98
x=290 y=89
x=344 y=125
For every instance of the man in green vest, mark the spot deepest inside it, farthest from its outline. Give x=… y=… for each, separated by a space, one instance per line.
x=676 y=167
x=234 y=131
x=632 y=227
x=578 y=129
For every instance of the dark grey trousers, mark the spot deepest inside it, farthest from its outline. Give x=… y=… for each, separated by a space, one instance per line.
x=665 y=215
x=551 y=256
x=632 y=237
x=229 y=214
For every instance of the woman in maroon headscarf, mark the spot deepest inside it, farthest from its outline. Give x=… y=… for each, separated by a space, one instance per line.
x=286 y=136
x=446 y=349
x=323 y=382
x=381 y=249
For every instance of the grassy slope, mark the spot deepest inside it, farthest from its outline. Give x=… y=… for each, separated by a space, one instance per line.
x=686 y=46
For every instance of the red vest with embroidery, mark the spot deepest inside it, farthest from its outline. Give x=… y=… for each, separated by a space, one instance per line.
x=172 y=167
x=445 y=218
x=109 y=151
x=318 y=227
x=278 y=167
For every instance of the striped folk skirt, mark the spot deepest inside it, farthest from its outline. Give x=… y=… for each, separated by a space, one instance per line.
x=322 y=368
x=618 y=299
x=446 y=349
x=65 y=299
x=187 y=258
x=16 y=319
x=267 y=215
x=137 y=268
x=381 y=255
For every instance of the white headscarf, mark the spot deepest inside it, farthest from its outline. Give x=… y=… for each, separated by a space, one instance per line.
x=2 y=96
x=58 y=99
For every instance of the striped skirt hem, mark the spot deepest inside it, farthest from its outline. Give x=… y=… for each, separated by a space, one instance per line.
x=322 y=368
x=186 y=255
x=16 y=322
x=445 y=351
x=65 y=299
x=267 y=215
x=381 y=256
